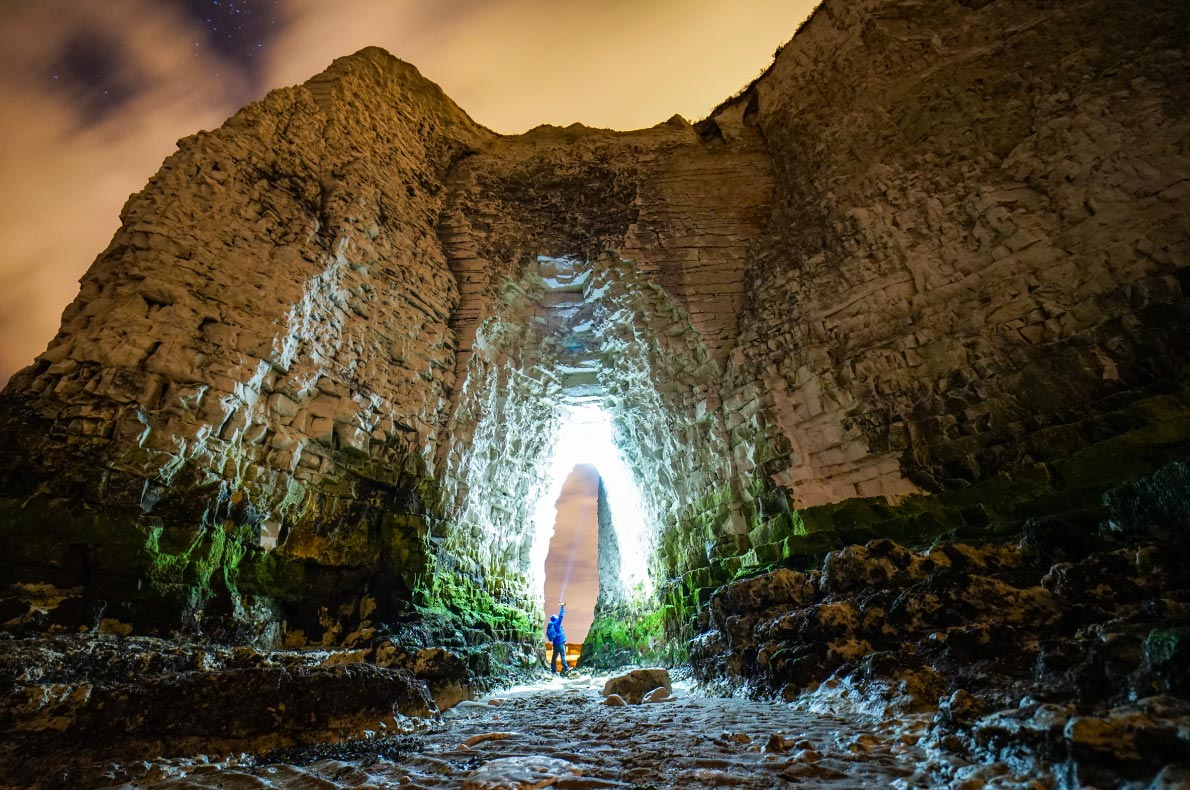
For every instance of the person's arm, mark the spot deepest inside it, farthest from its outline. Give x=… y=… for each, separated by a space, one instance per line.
x=561 y=612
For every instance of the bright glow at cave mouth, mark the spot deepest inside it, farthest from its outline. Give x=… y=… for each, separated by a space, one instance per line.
x=586 y=438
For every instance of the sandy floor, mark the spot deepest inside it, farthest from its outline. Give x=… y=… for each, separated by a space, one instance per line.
x=557 y=734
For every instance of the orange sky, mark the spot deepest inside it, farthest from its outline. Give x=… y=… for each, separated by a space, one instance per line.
x=574 y=551
x=69 y=160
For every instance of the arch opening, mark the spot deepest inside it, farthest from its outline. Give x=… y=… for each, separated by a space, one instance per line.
x=572 y=564
x=585 y=438
x=583 y=362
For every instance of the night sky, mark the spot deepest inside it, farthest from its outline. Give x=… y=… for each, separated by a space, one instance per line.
x=93 y=95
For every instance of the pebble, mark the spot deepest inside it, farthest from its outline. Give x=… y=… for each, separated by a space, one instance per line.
x=488 y=736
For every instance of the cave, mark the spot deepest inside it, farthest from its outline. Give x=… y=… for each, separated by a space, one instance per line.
x=883 y=367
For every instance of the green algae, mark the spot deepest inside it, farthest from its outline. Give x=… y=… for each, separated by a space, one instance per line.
x=1167 y=659
x=469 y=603
x=626 y=637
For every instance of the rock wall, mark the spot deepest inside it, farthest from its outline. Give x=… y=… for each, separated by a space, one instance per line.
x=926 y=275
x=242 y=404
x=970 y=306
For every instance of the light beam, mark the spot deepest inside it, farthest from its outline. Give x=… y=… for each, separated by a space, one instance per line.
x=586 y=437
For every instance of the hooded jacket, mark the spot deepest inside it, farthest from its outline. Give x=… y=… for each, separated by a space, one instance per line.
x=554 y=631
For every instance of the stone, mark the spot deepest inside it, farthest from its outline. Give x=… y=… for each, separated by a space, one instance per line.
x=613 y=700
x=519 y=773
x=960 y=709
x=129 y=699
x=659 y=694
x=632 y=686
x=488 y=736
x=776 y=744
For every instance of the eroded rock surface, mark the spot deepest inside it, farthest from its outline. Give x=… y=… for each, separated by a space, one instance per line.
x=635 y=685
x=925 y=277
x=72 y=702
x=1078 y=664
x=926 y=273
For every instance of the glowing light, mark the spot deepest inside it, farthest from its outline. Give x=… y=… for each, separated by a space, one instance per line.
x=586 y=438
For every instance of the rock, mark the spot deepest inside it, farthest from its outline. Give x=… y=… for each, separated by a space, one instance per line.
x=613 y=700
x=519 y=773
x=659 y=694
x=488 y=736
x=959 y=710
x=147 y=698
x=445 y=672
x=635 y=684
x=776 y=744
x=782 y=587
x=1132 y=733
x=1166 y=661
x=1156 y=504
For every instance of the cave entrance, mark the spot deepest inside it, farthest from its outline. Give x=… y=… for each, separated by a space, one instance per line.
x=571 y=566
x=618 y=553
x=590 y=510
x=581 y=363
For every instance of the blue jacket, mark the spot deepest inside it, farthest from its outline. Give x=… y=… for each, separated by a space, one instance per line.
x=554 y=631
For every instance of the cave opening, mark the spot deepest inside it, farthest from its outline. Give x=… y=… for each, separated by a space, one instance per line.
x=590 y=484
x=571 y=566
x=582 y=363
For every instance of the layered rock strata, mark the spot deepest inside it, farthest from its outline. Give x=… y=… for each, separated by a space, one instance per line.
x=925 y=275
x=73 y=704
x=972 y=295
x=232 y=432
x=1067 y=652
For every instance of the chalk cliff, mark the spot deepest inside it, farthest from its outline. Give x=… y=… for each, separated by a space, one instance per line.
x=926 y=276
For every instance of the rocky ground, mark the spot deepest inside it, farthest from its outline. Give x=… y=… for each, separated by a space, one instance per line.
x=74 y=705
x=557 y=733
x=575 y=734
x=1068 y=651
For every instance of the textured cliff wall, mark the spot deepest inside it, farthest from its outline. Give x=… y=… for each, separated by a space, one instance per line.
x=927 y=274
x=970 y=307
x=601 y=274
x=243 y=401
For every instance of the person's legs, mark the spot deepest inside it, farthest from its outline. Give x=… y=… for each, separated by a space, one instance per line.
x=560 y=656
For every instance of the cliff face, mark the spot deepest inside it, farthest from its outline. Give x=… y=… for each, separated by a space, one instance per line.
x=926 y=274
x=971 y=298
x=231 y=428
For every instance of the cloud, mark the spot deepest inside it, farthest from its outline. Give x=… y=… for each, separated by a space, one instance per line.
x=89 y=107
x=516 y=64
x=73 y=153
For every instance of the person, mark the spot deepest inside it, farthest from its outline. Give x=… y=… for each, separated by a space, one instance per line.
x=557 y=637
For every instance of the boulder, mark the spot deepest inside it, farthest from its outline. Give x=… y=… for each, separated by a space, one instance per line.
x=634 y=685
